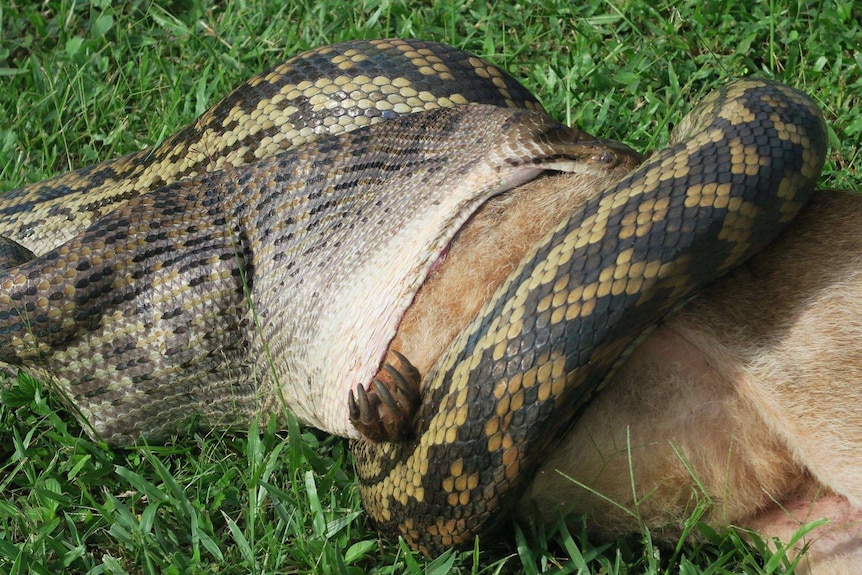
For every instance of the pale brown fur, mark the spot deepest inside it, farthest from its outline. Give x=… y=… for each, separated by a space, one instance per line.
x=748 y=398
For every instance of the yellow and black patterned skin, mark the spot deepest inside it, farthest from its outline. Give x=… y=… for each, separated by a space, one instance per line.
x=244 y=291
x=148 y=300
x=746 y=160
x=235 y=294
x=326 y=91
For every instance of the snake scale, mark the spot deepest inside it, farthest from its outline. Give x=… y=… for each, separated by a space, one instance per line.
x=145 y=299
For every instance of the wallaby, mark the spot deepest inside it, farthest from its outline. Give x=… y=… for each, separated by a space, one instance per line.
x=747 y=397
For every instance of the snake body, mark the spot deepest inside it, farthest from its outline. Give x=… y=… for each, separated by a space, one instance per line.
x=238 y=292
x=241 y=291
x=141 y=321
x=327 y=91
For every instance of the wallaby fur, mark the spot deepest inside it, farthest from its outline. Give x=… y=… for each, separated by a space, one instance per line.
x=749 y=397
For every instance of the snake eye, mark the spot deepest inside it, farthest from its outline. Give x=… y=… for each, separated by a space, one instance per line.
x=606 y=157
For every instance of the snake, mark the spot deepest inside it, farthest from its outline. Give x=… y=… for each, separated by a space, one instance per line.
x=205 y=274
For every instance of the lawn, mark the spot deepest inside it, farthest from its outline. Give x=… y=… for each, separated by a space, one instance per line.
x=87 y=82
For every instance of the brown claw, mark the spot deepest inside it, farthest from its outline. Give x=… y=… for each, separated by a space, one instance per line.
x=385 y=410
x=358 y=406
x=407 y=377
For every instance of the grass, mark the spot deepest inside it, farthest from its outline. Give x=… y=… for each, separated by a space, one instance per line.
x=83 y=82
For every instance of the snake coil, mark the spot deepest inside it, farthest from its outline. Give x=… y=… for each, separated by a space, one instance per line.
x=744 y=162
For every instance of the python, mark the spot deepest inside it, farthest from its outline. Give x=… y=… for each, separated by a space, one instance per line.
x=231 y=247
